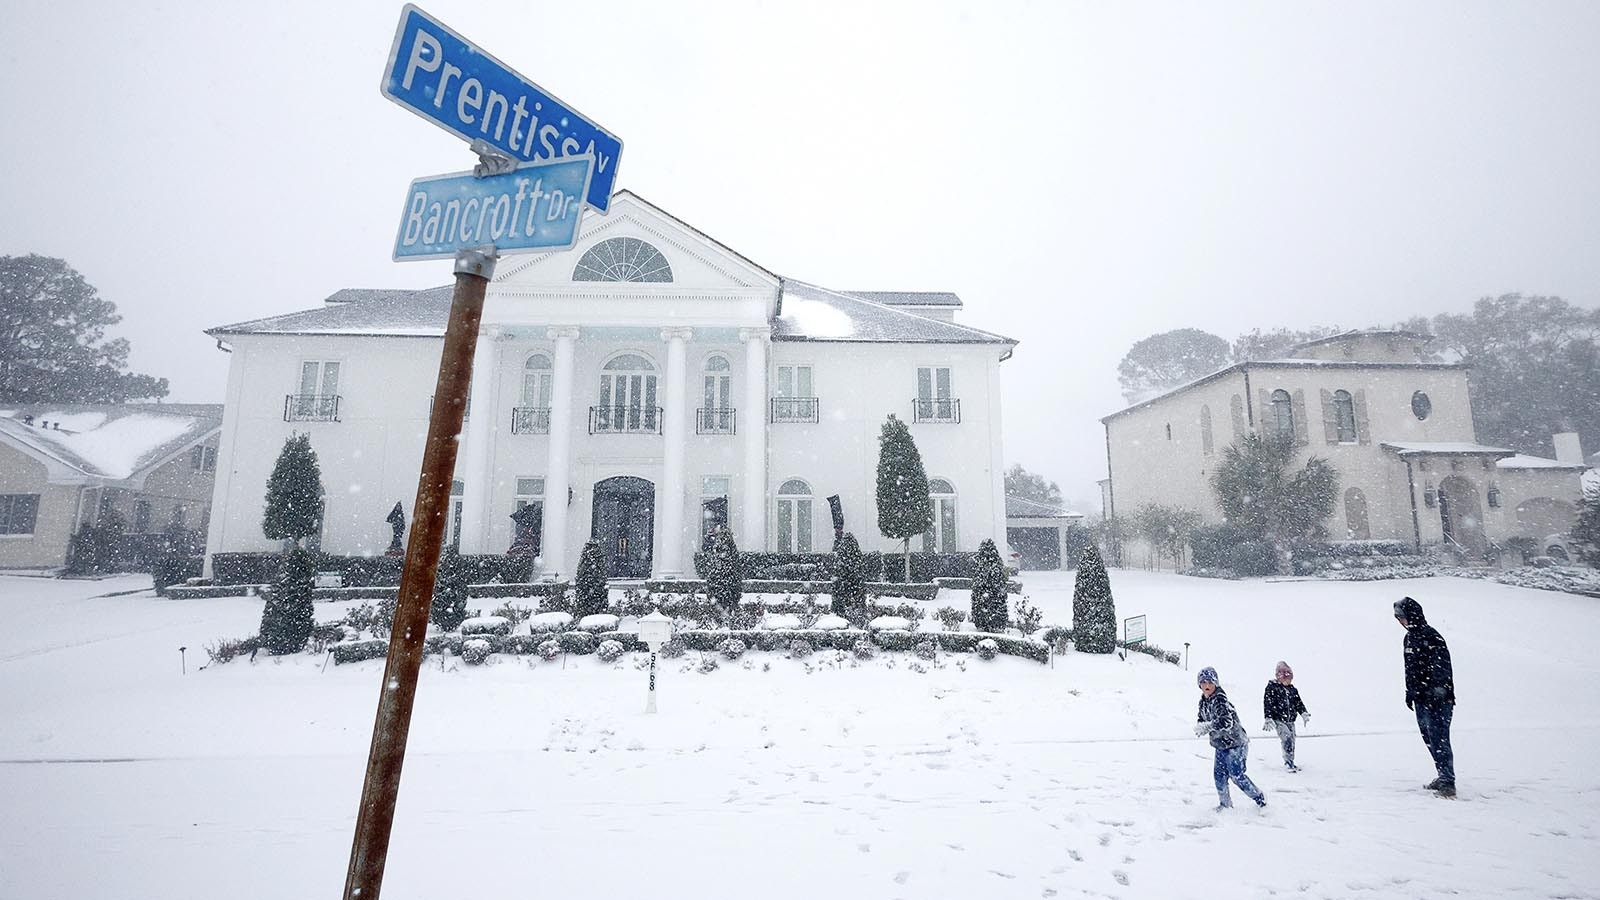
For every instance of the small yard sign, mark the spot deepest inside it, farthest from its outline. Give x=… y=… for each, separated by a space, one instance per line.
x=1133 y=630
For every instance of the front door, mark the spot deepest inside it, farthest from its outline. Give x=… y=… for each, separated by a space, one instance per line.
x=624 y=525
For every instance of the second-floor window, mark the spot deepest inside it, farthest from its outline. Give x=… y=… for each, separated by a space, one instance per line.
x=716 y=411
x=796 y=399
x=627 y=395
x=935 y=402
x=318 y=397
x=1344 y=416
x=1280 y=419
x=532 y=415
x=203 y=459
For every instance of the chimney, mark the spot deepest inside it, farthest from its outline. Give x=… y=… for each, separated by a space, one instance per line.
x=1569 y=449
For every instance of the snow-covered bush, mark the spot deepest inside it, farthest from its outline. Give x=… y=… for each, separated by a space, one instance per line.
x=672 y=649
x=486 y=625
x=1028 y=618
x=864 y=649
x=288 y=617
x=550 y=649
x=223 y=650
x=1094 y=611
x=549 y=621
x=950 y=617
x=732 y=648
x=708 y=664
x=829 y=623
x=889 y=623
x=609 y=651
x=927 y=650
x=780 y=622
x=448 y=608
x=989 y=590
x=799 y=649
x=512 y=613
x=988 y=649
x=598 y=622
x=476 y=651
x=592 y=591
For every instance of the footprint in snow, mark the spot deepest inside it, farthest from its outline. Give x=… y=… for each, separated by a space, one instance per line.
x=902 y=877
x=1120 y=876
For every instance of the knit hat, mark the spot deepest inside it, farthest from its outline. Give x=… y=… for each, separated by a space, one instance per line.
x=1207 y=674
x=1282 y=670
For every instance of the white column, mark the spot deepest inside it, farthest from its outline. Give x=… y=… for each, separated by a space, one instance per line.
x=674 y=431
x=753 y=422
x=478 y=435
x=558 y=479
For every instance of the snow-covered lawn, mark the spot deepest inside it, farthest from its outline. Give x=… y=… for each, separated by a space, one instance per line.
x=122 y=778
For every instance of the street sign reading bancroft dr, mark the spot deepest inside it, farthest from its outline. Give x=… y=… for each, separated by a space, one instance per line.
x=444 y=78
x=536 y=206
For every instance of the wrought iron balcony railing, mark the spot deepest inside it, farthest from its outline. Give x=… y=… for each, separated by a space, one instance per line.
x=624 y=420
x=530 y=420
x=942 y=410
x=716 y=420
x=310 y=408
x=795 y=409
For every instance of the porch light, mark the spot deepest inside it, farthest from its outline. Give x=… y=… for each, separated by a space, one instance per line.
x=1494 y=495
x=655 y=630
x=1429 y=495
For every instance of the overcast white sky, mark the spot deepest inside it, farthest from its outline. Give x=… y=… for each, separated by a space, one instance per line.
x=1083 y=175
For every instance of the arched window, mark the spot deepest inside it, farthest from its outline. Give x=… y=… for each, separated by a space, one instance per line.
x=622 y=259
x=1355 y=515
x=627 y=396
x=532 y=415
x=1280 y=424
x=1344 y=416
x=1205 y=430
x=941 y=538
x=794 y=517
x=716 y=416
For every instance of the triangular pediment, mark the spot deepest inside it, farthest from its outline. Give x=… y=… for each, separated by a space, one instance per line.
x=698 y=263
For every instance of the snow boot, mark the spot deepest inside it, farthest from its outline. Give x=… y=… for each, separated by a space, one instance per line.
x=1261 y=803
x=1446 y=790
x=1290 y=767
x=1433 y=785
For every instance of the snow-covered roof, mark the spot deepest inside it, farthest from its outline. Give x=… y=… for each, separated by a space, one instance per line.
x=1275 y=364
x=359 y=311
x=909 y=298
x=1364 y=332
x=1522 y=461
x=1023 y=508
x=812 y=313
x=1445 y=448
x=111 y=442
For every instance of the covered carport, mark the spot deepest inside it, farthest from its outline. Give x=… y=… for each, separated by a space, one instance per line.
x=1038 y=532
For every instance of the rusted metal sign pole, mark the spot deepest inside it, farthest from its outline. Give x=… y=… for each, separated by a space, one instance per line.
x=381 y=789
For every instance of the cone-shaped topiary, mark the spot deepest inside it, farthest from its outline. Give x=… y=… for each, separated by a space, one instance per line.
x=294 y=493
x=904 y=508
x=1094 y=613
x=849 y=582
x=724 y=575
x=591 y=583
x=449 y=607
x=288 y=617
x=989 y=611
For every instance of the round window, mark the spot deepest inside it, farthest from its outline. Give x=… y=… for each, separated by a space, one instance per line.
x=1421 y=405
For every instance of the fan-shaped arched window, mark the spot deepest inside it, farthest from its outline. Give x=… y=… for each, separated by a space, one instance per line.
x=622 y=259
x=716 y=415
x=1281 y=423
x=627 y=396
x=794 y=516
x=941 y=538
x=1344 y=416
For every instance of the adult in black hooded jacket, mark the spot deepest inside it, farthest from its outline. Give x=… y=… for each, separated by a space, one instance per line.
x=1430 y=690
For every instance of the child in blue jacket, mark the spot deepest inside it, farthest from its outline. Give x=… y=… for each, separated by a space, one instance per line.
x=1219 y=721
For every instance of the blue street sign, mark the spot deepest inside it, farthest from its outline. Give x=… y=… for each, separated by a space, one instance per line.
x=534 y=208
x=444 y=78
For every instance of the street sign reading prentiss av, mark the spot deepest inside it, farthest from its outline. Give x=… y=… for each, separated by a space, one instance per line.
x=536 y=206
x=446 y=79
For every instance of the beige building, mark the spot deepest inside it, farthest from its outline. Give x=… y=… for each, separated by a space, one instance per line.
x=1396 y=426
x=64 y=465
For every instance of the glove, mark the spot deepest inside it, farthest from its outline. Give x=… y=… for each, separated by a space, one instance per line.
x=1201 y=729
x=1305 y=718
x=1266 y=725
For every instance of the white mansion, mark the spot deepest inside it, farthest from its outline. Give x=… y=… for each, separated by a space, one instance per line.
x=621 y=389
x=1396 y=426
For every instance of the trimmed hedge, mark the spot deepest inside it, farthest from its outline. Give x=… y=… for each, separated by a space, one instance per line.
x=1052 y=635
x=1308 y=559
x=364 y=571
x=877 y=565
